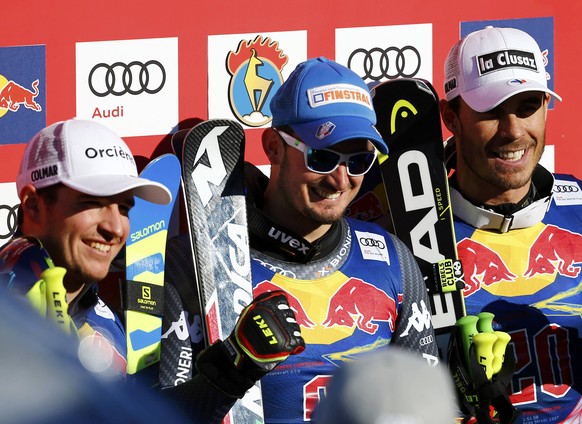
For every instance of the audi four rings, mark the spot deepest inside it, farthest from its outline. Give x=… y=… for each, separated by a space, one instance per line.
x=366 y=241
x=11 y=220
x=565 y=188
x=133 y=71
x=376 y=63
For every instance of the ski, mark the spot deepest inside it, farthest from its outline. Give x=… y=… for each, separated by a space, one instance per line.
x=182 y=336
x=145 y=250
x=213 y=182
x=414 y=176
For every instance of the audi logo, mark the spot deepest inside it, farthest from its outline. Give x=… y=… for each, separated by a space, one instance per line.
x=426 y=340
x=390 y=63
x=9 y=215
x=133 y=78
x=366 y=241
x=563 y=188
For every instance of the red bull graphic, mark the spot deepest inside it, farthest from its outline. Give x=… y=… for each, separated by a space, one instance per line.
x=13 y=95
x=555 y=249
x=360 y=303
x=255 y=68
x=482 y=266
x=22 y=93
x=294 y=303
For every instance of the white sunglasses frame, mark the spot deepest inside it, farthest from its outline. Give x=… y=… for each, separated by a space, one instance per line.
x=344 y=157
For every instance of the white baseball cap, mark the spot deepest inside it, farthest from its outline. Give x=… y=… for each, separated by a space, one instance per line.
x=88 y=157
x=490 y=65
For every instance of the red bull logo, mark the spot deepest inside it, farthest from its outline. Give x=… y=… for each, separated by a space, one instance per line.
x=548 y=249
x=555 y=250
x=482 y=266
x=360 y=303
x=294 y=303
x=354 y=304
x=14 y=95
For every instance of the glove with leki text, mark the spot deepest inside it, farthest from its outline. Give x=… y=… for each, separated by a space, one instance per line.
x=266 y=334
x=482 y=361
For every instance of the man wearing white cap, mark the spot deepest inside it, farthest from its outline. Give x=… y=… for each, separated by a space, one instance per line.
x=519 y=228
x=76 y=185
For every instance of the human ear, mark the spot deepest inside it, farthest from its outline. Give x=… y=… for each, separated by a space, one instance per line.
x=30 y=203
x=272 y=146
x=450 y=118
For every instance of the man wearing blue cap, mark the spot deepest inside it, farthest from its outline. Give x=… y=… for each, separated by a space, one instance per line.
x=352 y=287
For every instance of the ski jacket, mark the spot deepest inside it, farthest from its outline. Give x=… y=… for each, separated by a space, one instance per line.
x=364 y=295
x=525 y=269
x=101 y=334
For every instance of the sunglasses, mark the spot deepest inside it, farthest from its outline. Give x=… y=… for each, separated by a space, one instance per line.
x=324 y=161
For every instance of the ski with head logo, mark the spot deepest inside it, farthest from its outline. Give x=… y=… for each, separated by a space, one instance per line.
x=415 y=180
x=213 y=184
x=142 y=292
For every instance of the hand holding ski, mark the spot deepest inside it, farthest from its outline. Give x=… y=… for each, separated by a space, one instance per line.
x=213 y=178
x=481 y=361
x=265 y=335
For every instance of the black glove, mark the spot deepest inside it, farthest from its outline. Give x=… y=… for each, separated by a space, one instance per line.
x=266 y=334
x=482 y=362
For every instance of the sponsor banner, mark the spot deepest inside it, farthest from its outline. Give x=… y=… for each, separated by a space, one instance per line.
x=22 y=93
x=245 y=71
x=8 y=211
x=131 y=86
x=386 y=52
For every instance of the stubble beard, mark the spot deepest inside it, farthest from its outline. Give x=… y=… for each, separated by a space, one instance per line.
x=502 y=178
x=309 y=213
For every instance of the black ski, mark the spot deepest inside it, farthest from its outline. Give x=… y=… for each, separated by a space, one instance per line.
x=213 y=183
x=416 y=184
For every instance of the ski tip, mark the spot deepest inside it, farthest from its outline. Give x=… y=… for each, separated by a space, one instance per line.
x=401 y=103
x=179 y=138
x=402 y=85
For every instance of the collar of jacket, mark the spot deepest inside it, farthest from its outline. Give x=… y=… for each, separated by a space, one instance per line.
x=528 y=216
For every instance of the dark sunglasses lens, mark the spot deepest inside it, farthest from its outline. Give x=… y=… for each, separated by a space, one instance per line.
x=361 y=163
x=322 y=160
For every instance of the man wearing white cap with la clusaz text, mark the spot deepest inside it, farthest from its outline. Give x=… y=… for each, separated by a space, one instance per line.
x=519 y=227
